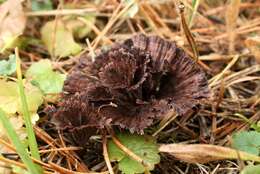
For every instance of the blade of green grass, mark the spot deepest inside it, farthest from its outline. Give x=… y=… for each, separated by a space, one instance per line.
x=20 y=148
x=26 y=114
x=195 y=5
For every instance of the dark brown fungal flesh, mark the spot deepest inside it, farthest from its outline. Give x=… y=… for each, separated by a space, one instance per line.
x=130 y=85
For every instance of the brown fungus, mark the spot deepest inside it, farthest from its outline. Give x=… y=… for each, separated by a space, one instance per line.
x=131 y=85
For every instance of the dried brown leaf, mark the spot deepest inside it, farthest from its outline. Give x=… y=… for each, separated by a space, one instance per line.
x=204 y=153
x=12 y=22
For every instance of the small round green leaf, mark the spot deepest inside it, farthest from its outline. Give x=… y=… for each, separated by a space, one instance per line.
x=42 y=75
x=8 y=67
x=247 y=141
x=59 y=40
x=143 y=146
x=251 y=169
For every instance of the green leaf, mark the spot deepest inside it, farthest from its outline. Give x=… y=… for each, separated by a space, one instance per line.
x=10 y=99
x=59 y=40
x=45 y=78
x=129 y=166
x=17 y=123
x=132 y=10
x=10 y=102
x=34 y=98
x=38 y=5
x=8 y=67
x=78 y=27
x=247 y=141
x=20 y=148
x=251 y=169
x=9 y=96
x=143 y=146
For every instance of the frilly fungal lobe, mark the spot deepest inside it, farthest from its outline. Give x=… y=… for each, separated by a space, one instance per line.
x=130 y=85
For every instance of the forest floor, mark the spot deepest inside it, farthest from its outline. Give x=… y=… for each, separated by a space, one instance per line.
x=227 y=40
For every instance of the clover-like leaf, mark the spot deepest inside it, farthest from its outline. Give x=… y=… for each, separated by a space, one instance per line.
x=251 y=169
x=45 y=78
x=58 y=39
x=8 y=67
x=9 y=96
x=247 y=141
x=143 y=146
x=10 y=99
x=10 y=103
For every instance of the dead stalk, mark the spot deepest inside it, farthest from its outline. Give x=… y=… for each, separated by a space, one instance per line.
x=231 y=18
x=106 y=156
x=188 y=34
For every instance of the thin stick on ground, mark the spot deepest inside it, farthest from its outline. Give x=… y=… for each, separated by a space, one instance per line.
x=115 y=16
x=127 y=151
x=216 y=78
x=105 y=154
x=22 y=165
x=232 y=13
x=7 y=145
x=64 y=145
x=60 y=169
x=188 y=34
x=172 y=117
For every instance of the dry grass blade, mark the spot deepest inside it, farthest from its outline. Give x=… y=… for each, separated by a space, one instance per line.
x=195 y=5
x=231 y=19
x=106 y=156
x=166 y=121
x=188 y=33
x=62 y=12
x=72 y=157
x=46 y=166
x=253 y=44
x=237 y=76
x=63 y=170
x=115 y=16
x=204 y=153
x=12 y=162
x=95 y=29
x=218 y=77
